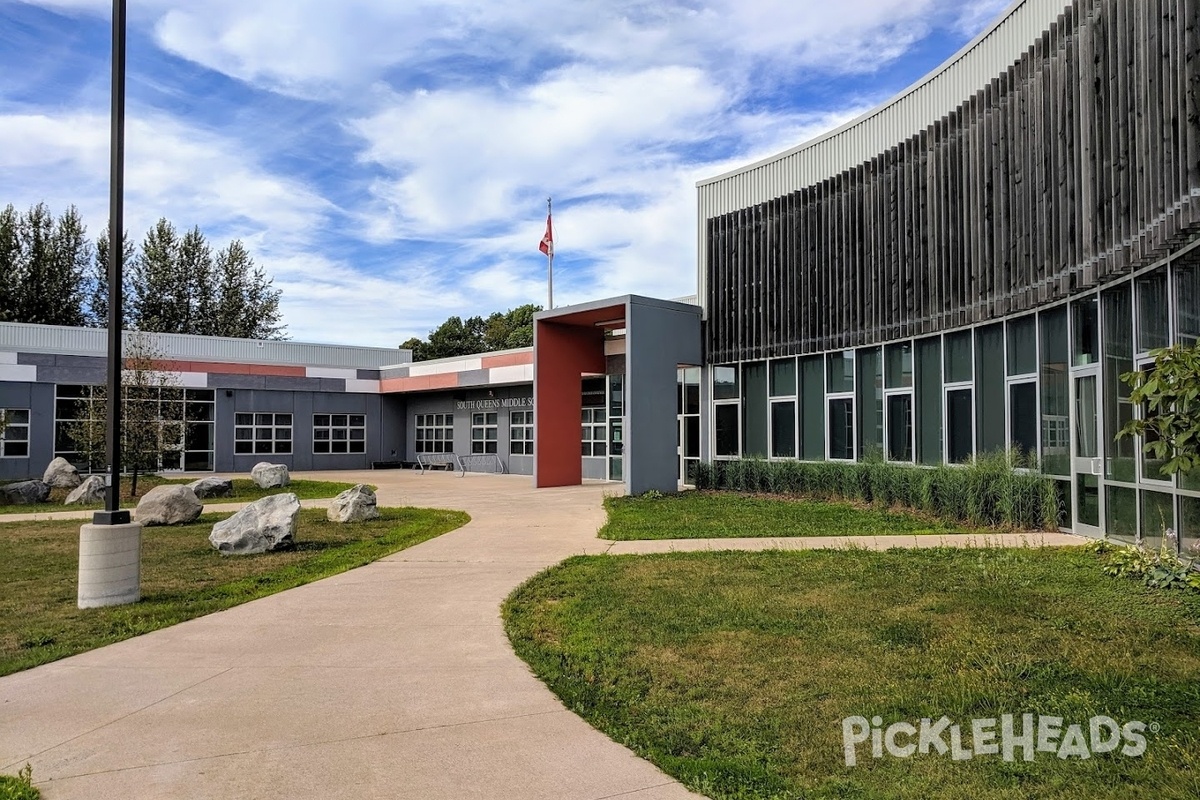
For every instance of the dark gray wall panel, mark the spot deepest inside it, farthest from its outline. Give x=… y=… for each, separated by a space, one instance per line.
x=658 y=341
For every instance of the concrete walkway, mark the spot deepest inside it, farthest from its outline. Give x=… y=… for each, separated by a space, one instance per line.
x=394 y=680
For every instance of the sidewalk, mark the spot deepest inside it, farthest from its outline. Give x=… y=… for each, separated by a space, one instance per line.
x=394 y=680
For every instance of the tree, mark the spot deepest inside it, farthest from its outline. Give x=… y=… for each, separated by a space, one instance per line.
x=44 y=265
x=247 y=305
x=512 y=329
x=417 y=346
x=197 y=283
x=151 y=413
x=155 y=301
x=458 y=337
x=1169 y=394
x=10 y=249
x=97 y=283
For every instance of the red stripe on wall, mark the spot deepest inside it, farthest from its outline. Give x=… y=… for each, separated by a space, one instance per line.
x=507 y=360
x=222 y=368
x=446 y=380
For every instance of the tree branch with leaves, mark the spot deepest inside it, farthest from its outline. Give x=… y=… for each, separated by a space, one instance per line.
x=1169 y=395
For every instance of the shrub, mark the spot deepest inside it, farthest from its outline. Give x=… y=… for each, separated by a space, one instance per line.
x=995 y=489
x=20 y=786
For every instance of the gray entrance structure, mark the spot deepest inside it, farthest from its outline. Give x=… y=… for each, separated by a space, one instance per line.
x=569 y=343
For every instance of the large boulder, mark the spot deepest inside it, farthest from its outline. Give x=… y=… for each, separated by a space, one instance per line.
x=92 y=490
x=353 y=505
x=212 y=487
x=61 y=474
x=25 y=493
x=270 y=476
x=168 y=505
x=264 y=525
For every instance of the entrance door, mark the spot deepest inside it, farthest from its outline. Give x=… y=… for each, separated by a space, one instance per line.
x=1087 y=459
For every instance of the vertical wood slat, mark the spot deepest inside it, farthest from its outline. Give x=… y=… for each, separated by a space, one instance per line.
x=1075 y=165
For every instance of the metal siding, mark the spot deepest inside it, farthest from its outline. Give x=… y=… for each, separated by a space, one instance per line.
x=861 y=139
x=25 y=337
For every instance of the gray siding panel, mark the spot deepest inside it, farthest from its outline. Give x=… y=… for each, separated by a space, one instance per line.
x=84 y=375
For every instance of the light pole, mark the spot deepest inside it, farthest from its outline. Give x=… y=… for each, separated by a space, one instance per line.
x=110 y=547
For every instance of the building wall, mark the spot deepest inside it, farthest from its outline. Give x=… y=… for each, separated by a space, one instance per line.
x=302 y=406
x=1051 y=217
x=501 y=400
x=39 y=399
x=1075 y=165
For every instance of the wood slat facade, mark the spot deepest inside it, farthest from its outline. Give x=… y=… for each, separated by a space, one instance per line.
x=1076 y=165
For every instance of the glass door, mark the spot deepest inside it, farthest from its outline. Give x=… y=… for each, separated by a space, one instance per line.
x=680 y=433
x=1087 y=461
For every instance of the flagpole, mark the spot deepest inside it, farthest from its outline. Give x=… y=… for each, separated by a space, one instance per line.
x=549 y=263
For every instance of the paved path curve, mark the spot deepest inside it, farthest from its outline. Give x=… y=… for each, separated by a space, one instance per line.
x=394 y=680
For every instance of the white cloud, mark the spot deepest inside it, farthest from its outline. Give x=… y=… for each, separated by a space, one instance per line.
x=467 y=113
x=184 y=173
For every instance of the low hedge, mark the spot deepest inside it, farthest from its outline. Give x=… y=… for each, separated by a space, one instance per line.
x=986 y=492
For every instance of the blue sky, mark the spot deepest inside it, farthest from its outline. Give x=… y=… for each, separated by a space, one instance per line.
x=388 y=162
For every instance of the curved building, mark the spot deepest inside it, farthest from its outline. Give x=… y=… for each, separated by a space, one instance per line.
x=972 y=265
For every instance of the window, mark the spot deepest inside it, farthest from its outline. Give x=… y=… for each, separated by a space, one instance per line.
x=783 y=429
x=262 y=433
x=1153 y=323
x=339 y=433
x=727 y=424
x=898 y=404
x=1187 y=297
x=900 y=426
x=1085 y=331
x=15 y=441
x=1056 y=426
x=841 y=428
x=1022 y=416
x=960 y=433
x=1022 y=345
x=484 y=426
x=594 y=432
x=79 y=410
x=783 y=408
x=520 y=433
x=899 y=366
x=1117 y=344
x=435 y=433
x=725 y=383
x=839 y=380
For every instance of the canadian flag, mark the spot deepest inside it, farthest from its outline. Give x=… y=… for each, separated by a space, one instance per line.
x=547 y=245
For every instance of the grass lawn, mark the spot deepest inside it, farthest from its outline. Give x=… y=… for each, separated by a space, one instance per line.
x=244 y=491
x=182 y=576
x=721 y=515
x=734 y=671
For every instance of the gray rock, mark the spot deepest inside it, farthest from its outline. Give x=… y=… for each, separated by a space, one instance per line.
x=61 y=474
x=90 y=491
x=264 y=525
x=353 y=505
x=168 y=505
x=212 y=487
x=25 y=493
x=269 y=476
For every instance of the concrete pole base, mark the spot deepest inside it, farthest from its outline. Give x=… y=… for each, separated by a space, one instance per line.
x=110 y=565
